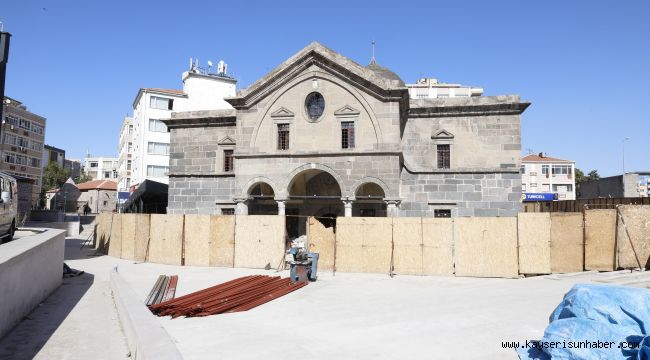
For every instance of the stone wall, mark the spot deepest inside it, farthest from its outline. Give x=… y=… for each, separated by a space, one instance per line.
x=481 y=194
x=200 y=195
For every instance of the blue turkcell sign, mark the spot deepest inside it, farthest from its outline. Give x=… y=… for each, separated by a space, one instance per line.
x=123 y=195
x=540 y=196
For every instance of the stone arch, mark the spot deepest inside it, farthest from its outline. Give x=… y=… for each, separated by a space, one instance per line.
x=314 y=166
x=369 y=179
x=325 y=76
x=256 y=180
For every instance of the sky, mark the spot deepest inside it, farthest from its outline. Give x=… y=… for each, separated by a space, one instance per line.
x=584 y=65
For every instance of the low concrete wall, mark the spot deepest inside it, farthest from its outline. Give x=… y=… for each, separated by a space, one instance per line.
x=31 y=268
x=72 y=228
x=147 y=339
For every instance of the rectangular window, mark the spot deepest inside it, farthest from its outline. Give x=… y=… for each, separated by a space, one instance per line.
x=157 y=171
x=35 y=145
x=283 y=136
x=11 y=120
x=35 y=162
x=107 y=174
x=155 y=148
x=128 y=164
x=444 y=157
x=129 y=148
x=37 y=129
x=523 y=187
x=93 y=164
x=228 y=161
x=442 y=213
x=10 y=139
x=347 y=135
x=562 y=188
x=24 y=124
x=545 y=170
x=227 y=211
x=157 y=125
x=161 y=103
x=522 y=170
x=561 y=169
x=10 y=158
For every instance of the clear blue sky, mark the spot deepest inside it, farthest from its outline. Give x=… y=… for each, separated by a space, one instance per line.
x=583 y=64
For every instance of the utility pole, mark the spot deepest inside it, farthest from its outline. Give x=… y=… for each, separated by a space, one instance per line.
x=4 y=57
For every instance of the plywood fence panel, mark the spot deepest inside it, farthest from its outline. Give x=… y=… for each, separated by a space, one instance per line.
x=128 y=236
x=408 y=250
x=637 y=221
x=259 y=241
x=103 y=223
x=567 y=244
x=486 y=246
x=115 y=242
x=222 y=240
x=600 y=239
x=437 y=236
x=166 y=243
x=142 y=233
x=197 y=240
x=322 y=241
x=534 y=233
x=363 y=244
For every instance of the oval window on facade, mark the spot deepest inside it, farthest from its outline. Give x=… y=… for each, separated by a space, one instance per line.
x=315 y=105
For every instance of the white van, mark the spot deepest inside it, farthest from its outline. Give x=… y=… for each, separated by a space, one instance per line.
x=8 y=206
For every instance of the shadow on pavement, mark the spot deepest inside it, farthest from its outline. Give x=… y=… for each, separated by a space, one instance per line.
x=28 y=337
x=73 y=250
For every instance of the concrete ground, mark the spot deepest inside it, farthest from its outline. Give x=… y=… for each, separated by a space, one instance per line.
x=78 y=321
x=349 y=316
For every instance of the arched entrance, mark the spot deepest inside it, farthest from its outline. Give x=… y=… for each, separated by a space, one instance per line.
x=369 y=201
x=261 y=200
x=312 y=192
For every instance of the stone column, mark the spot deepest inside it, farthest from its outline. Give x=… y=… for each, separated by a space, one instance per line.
x=242 y=207
x=391 y=208
x=347 y=204
x=281 y=206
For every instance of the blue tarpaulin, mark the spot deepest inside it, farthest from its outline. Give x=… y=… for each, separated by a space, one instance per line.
x=596 y=322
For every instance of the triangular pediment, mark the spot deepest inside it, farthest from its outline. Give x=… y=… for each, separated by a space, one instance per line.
x=347 y=110
x=374 y=80
x=226 y=141
x=442 y=134
x=282 y=113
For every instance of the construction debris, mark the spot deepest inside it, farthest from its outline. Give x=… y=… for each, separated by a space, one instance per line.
x=236 y=295
x=163 y=290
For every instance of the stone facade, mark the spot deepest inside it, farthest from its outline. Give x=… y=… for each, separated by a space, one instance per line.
x=391 y=169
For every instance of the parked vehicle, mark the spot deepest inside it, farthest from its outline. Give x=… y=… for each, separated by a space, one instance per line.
x=8 y=206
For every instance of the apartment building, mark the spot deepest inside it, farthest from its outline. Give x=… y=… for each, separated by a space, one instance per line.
x=23 y=133
x=101 y=168
x=144 y=140
x=52 y=154
x=74 y=166
x=545 y=178
x=430 y=88
x=125 y=157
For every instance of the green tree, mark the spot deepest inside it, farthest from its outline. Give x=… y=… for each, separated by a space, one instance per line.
x=581 y=177
x=83 y=177
x=54 y=176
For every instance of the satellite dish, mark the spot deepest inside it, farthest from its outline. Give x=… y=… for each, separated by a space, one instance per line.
x=209 y=63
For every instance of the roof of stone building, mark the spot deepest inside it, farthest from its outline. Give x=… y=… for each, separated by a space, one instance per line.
x=384 y=72
x=537 y=158
x=98 y=185
x=373 y=75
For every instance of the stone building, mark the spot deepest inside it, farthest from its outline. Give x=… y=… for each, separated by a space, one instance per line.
x=322 y=135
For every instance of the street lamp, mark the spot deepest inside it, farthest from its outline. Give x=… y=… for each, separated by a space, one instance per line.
x=624 y=140
x=4 y=57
